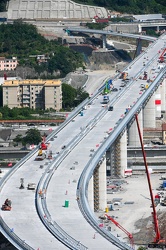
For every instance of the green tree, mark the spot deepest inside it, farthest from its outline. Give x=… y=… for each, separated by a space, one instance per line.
x=18 y=138
x=69 y=95
x=1 y=96
x=142 y=248
x=81 y=96
x=3 y=4
x=33 y=136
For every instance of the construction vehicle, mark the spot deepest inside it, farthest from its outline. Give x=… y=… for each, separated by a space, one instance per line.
x=106 y=99
x=124 y=75
x=49 y=154
x=162 y=58
x=41 y=156
x=145 y=77
x=7 y=205
x=130 y=236
x=31 y=186
x=158 y=242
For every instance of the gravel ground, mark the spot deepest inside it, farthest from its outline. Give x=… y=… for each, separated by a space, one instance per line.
x=134 y=210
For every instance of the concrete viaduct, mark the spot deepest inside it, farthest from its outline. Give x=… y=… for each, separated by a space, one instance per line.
x=78 y=168
x=42 y=219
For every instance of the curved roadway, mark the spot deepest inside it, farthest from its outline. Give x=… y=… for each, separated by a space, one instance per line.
x=31 y=215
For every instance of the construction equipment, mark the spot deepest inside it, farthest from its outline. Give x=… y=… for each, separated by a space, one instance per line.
x=145 y=77
x=31 y=186
x=124 y=75
x=43 y=145
x=130 y=236
x=162 y=58
x=41 y=156
x=7 y=205
x=158 y=241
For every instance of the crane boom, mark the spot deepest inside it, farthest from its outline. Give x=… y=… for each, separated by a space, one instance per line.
x=157 y=239
x=130 y=236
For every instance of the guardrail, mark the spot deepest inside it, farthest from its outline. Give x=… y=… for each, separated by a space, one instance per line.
x=82 y=187
x=85 y=177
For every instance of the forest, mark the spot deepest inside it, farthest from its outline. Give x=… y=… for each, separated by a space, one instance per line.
x=123 y=6
x=23 y=41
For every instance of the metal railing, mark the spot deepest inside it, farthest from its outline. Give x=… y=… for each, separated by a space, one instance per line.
x=82 y=187
x=85 y=177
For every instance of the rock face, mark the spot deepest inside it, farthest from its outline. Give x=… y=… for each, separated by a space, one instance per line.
x=107 y=59
x=52 y=9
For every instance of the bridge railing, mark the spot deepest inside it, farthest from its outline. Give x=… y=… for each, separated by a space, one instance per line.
x=14 y=239
x=82 y=187
x=6 y=230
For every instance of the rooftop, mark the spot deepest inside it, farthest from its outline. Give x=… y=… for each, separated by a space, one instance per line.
x=32 y=82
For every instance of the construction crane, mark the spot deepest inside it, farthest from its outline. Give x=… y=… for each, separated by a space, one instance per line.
x=162 y=56
x=158 y=241
x=130 y=236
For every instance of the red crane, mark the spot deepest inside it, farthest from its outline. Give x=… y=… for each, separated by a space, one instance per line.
x=158 y=241
x=130 y=236
x=162 y=56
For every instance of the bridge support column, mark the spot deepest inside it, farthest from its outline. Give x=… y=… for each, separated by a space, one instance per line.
x=123 y=156
x=91 y=193
x=104 y=41
x=158 y=29
x=163 y=95
x=149 y=118
x=102 y=186
x=133 y=136
x=139 y=28
x=158 y=102
x=117 y=157
x=100 y=193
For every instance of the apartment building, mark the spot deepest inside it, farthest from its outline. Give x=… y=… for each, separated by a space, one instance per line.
x=8 y=64
x=42 y=94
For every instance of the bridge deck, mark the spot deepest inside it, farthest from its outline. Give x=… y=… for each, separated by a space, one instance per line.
x=23 y=218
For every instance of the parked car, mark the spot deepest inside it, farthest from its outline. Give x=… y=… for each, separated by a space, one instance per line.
x=114 y=89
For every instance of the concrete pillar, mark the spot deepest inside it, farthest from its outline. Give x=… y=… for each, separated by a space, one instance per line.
x=91 y=194
x=123 y=155
x=158 y=29
x=158 y=102
x=162 y=88
x=104 y=41
x=102 y=186
x=133 y=136
x=149 y=118
x=139 y=28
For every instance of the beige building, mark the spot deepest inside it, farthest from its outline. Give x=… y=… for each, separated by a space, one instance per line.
x=164 y=133
x=8 y=64
x=42 y=94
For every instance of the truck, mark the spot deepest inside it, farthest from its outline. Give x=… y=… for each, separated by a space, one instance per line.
x=105 y=99
x=97 y=19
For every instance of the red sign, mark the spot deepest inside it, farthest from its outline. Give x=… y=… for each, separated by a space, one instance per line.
x=158 y=102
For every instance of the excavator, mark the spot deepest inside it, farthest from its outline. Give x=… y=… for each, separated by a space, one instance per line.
x=158 y=241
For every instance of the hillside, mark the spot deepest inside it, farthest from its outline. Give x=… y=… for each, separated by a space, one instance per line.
x=124 y=6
